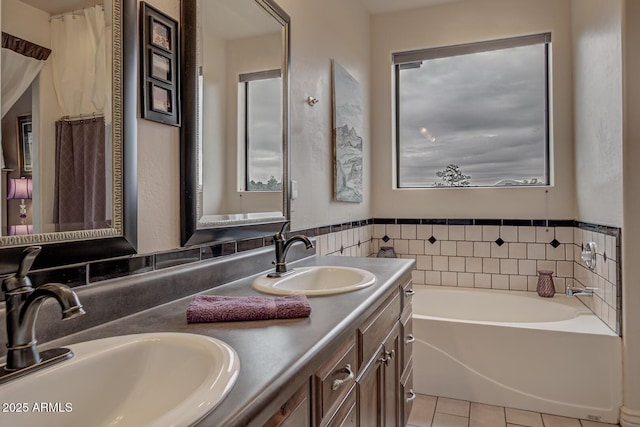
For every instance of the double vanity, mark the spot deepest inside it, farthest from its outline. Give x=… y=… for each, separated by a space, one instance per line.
x=349 y=363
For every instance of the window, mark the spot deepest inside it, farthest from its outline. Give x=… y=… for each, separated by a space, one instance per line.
x=473 y=115
x=262 y=120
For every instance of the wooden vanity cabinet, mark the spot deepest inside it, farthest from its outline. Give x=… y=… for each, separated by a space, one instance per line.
x=367 y=381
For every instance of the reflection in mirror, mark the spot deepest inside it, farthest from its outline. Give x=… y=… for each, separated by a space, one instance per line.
x=235 y=78
x=63 y=127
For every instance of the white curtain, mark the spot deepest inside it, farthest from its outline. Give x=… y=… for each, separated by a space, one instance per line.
x=81 y=58
x=18 y=71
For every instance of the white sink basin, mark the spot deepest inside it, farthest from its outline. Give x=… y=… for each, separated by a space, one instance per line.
x=156 y=379
x=316 y=281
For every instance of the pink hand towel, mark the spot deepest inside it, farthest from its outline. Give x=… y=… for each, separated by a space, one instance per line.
x=213 y=308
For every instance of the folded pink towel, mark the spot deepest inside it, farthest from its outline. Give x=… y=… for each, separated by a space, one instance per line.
x=213 y=308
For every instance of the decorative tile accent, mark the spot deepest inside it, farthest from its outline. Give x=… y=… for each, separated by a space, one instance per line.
x=499 y=241
x=554 y=243
x=386 y=238
x=432 y=240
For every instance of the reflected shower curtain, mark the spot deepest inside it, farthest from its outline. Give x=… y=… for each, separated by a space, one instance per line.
x=80 y=188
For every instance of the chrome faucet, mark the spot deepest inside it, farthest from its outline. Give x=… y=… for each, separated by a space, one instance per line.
x=282 y=247
x=578 y=291
x=23 y=303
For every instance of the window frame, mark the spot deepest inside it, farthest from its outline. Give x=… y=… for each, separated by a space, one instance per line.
x=245 y=79
x=405 y=58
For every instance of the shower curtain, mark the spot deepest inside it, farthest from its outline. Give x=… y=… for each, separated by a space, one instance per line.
x=80 y=188
x=82 y=76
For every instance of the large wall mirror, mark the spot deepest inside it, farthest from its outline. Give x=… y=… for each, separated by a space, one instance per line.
x=235 y=71
x=68 y=130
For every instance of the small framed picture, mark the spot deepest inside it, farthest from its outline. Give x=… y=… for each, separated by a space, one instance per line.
x=25 y=145
x=160 y=59
x=161 y=99
x=160 y=67
x=160 y=35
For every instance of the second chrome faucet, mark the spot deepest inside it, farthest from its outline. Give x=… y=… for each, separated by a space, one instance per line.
x=282 y=246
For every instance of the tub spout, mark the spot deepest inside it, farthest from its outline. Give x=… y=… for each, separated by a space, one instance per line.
x=577 y=291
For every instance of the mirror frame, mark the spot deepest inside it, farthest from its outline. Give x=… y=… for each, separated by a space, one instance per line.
x=190 y=233
x=88 y=245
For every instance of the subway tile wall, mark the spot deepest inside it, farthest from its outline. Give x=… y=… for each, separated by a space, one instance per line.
x=462 y=253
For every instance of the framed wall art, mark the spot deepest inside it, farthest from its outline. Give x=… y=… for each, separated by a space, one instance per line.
x=159 y=62
x=25 y=145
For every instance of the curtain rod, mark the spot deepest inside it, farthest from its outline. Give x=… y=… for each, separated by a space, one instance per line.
x=82 y=117
x=74 y=11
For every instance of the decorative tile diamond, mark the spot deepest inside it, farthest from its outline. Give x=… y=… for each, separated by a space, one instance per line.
x=499 y=241
x=554 y=243
x=386 y=238
x=604 y=257
x=432 y=240
x=341 y=250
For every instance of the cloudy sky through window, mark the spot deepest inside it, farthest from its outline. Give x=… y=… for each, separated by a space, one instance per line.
x=482 y=111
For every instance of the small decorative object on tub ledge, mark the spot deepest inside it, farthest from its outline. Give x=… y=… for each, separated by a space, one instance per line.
x=545 y=286
x=216 y=308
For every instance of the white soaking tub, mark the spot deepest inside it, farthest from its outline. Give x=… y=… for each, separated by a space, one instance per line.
x=518 y=350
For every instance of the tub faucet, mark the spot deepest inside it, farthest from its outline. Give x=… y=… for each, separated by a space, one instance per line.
x=23 y=303
x=577 y=291
x=282 y=247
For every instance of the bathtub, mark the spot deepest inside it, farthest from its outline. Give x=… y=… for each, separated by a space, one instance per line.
x=517 y=350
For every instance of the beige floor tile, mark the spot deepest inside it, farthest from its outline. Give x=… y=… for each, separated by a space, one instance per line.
x=453 y=407
x=556 y=421
x=587 y=423
x=523 y=418
x=422 y=412
x=486 y=416
x=447 y=420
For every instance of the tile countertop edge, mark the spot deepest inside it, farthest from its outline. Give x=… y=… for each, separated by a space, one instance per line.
x=266 y=372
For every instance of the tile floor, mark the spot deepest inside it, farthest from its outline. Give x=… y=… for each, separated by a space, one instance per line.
x=431 y=411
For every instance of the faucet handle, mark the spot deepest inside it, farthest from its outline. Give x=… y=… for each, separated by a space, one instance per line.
x=20 y=279
x=284 y=227
x=29 y=255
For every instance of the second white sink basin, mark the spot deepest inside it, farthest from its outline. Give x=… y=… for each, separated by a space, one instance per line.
x=316 y=281
x=156 y=379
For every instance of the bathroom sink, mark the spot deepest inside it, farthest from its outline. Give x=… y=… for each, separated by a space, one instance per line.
x=316 y=281
x=155 y=379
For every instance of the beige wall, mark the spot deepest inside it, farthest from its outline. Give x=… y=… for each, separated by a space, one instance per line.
x=597 y=58
x=464 y=22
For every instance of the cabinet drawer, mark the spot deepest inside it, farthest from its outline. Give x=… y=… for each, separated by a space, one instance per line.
x=406 y=292
x=377 y=327
x=346 y=415
x=407 y=395
x=406 y=332
x=334 y=379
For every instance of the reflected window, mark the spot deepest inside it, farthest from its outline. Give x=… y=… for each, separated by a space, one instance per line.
x=261 y=95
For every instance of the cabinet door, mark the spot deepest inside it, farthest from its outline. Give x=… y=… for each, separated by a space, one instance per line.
x=369 y=393
x=294 y=413
x=391 y=387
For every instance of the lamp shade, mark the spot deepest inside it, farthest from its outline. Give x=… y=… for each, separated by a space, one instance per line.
x=20 y=188
x=20 y=230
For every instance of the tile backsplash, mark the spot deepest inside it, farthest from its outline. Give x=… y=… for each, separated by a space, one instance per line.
x=495 y=254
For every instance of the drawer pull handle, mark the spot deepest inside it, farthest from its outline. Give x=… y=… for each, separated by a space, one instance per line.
x=387 y=356
x=409 y=293
x=336 y=384
x=411 y=396
x=409 y=339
